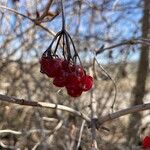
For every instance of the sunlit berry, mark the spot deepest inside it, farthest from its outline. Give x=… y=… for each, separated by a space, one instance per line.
x=51 y=66
x=86 y=82
x=78 y=70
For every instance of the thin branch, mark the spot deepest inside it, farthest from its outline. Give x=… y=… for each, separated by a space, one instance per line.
x=6 y=146
x=10 y=131
x=54 y=131
x=113 y=81
x=80 y=134
x=130 y=42
x=33 y=20
x=50 y=119
x=22 y=132
x=102 y=120
x=63 y=16
x=9 y=99
x=59 y=125
x=46 y=10
x=124 y=112
x=94 y=120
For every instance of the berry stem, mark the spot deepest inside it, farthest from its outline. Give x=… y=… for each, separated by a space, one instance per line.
x=68 y=46
x=49 y=49
x=63 y=16
x=57 y=44
x=76 y=53
x=64 y=46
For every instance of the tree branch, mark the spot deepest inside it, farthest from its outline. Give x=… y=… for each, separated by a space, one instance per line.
x=33 y=20
x=101 y=121
x=130 y=42
x=46 y=10
x=94 y=119
x=124 y=112
x=9 y=99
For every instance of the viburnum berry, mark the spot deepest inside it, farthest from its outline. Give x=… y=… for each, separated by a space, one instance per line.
x=51 y=66
x=59 y=81
x=74 y=75
x=66 y=66
x=44 y=61
x=86 y=82
x=146 y=142
x=78 y=70
x=73 y=80
x=74 y=92
x=66 y=72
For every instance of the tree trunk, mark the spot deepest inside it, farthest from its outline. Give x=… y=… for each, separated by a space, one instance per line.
x=139 y=89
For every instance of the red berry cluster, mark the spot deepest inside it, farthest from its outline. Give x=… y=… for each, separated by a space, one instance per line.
x=146 y=142
x=66 y=74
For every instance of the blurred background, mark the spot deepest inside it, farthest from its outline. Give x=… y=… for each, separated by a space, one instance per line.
x=116 y=32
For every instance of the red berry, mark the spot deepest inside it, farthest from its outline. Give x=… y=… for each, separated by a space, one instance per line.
x=78 y=70
x=86 y=82
x=65 y=65
x=73 y=85
x=44 y=64
x=74 y=76
x=59 y=81
x=51 y=66
x=146 y=142
x=74 y=92
x=72 y=81
x=66 y=74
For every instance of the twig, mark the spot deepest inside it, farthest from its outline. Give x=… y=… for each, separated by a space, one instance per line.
x=94 y=120
x=130 y=42
x=46 y=10
x=80 y=134
x=124 y=112
x=58 y=126
x=33 y=20
x=101 y=67
x=36 y=145
x=10 y=131
x=43 y=104
x=102 y=120
x=50 y=119
x=22 y=132
x=6 y=146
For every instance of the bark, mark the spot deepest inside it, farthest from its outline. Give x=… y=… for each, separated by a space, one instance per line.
x=142 y=73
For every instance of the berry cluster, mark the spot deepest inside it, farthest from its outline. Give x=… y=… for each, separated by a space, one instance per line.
x=64 y=70
x=66 y=74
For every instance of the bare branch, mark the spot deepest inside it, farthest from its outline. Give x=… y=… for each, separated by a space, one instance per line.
x=9 y=99
x=94 y=119
x=45 y=13
x=80 y=134
x=10 y=131
x=102 y=120
x=130 y=42
x=113 y=81
x=6 y=146
x=33 y=20
x=124 y=112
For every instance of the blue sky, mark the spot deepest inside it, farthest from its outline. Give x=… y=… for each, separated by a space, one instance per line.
x=124 y=27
